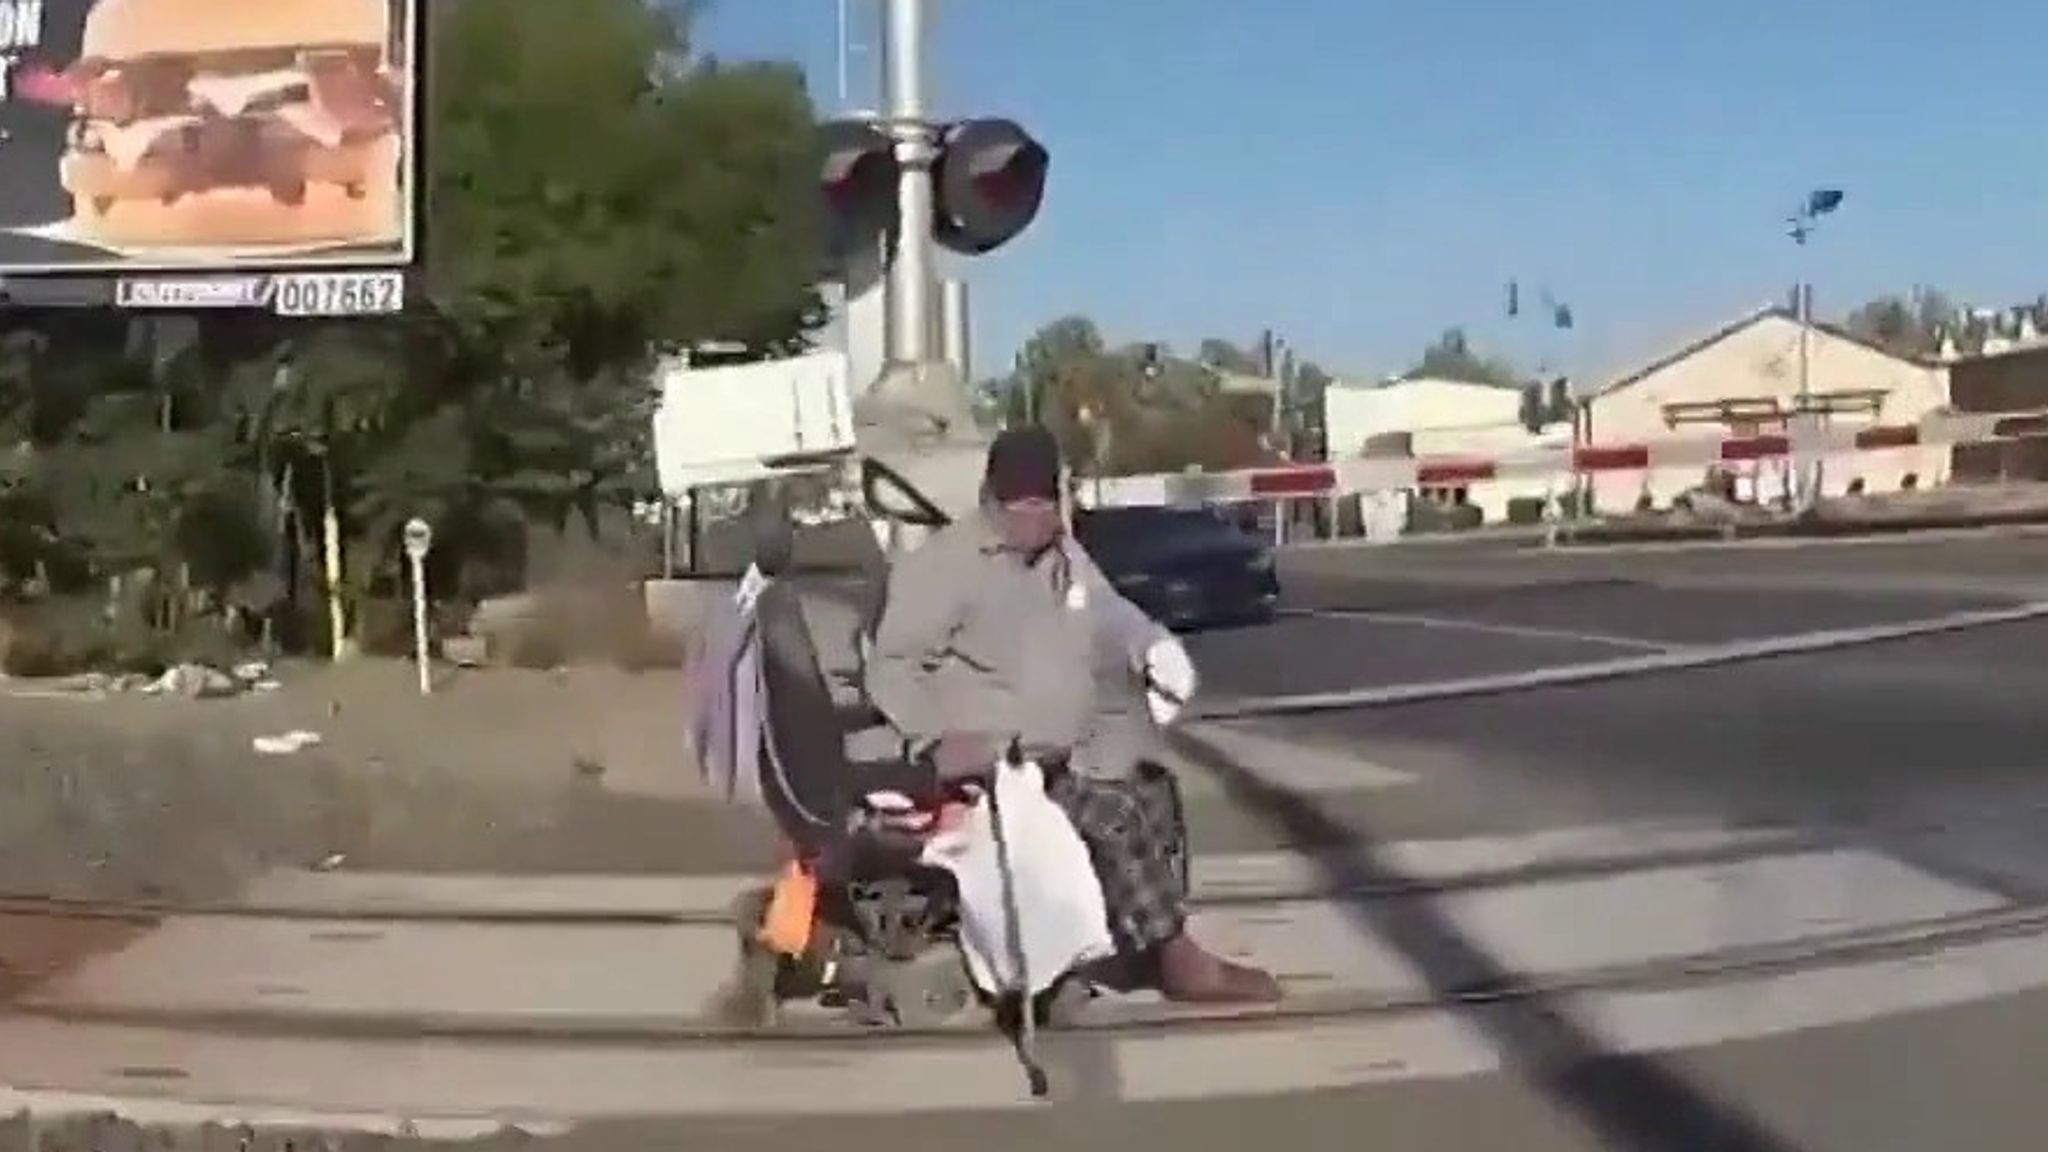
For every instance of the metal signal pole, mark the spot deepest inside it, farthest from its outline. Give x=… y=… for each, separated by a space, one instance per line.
x=840 y=42
x=912 y=318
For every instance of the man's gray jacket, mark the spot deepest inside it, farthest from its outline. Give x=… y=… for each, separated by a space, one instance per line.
x=975 y=639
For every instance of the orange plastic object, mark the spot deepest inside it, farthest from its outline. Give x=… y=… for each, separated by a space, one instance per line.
x=792 y=909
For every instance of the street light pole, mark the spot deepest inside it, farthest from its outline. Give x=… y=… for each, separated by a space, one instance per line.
x=1558 y=316
x=1800 y=226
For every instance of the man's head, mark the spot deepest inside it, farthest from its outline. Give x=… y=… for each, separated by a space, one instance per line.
x=1022 y=487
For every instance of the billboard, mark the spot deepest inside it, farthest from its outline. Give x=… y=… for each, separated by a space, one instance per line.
x=207 y=136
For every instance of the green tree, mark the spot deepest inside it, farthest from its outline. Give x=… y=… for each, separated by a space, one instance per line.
x=600 y=194
x=1225 y=356
x=1152 y=410
x=1307 y=390
x=1909 y=324
x=1452 y=357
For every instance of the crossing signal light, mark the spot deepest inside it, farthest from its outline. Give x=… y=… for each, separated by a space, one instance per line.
x=988 y=183
x=859 y=181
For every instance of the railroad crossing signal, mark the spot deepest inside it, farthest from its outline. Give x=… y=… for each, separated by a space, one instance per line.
x=988 y=182
x=859 y=184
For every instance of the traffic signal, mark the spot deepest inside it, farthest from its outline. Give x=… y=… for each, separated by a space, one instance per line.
x=987 y=184
x=1560 y=406
x=1544 y=405
x=1532 y=408
x=1822 y=201
x=859 y=184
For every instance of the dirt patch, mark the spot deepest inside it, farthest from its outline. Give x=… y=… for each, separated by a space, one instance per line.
x=37 y=949
x=140 y=798
x=98 y=1132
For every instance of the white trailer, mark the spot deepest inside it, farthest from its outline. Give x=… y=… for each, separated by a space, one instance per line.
x=721 y=427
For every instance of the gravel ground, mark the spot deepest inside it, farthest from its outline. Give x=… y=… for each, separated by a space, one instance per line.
x=156 y=798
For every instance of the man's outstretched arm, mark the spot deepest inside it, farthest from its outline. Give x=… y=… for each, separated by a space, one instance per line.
x=1133 y=630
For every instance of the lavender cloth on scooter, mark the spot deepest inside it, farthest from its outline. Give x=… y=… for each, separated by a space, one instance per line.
x=724 y=697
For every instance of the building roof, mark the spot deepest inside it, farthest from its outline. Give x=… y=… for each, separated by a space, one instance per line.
x=1358 y=384
x=1245 y=384
x=1446 y=382
x=1734 y=328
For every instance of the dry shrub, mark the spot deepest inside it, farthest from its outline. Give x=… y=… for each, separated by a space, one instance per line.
x=564 y=625
x=585 y=605
x=654 y=649
x=71 y=636
x=59 y=644
x=383 y=627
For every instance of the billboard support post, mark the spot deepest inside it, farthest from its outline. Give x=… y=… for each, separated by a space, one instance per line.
x=339 y=647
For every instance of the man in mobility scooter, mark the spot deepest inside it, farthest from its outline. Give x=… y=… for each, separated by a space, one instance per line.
x=999 y=633
x=1000 y=627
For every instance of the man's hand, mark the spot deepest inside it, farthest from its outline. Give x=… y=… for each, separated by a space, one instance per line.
x=964 y=755
x=1169 y=679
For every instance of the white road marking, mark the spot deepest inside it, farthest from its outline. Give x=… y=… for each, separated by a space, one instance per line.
x=1698 y=656
x=1790 y=543
x=1693 y=909
x=1526 y=632
x=1530 y=546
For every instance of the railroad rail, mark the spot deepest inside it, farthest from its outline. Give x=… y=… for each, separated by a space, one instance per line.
x=1109 y=1015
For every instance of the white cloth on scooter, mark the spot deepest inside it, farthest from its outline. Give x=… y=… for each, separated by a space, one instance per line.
x=1170 y=680
x=1061 y=916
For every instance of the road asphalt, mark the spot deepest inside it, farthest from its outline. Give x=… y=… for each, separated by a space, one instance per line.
x=1938 y=734
x=1931 y=746
x=2015 y=560
x=1961 y=1080
x=1734 y=740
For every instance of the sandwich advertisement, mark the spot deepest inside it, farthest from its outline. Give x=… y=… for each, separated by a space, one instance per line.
x=194 y=136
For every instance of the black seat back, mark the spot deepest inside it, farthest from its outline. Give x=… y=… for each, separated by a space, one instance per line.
x=771 y=534
x=804 y=771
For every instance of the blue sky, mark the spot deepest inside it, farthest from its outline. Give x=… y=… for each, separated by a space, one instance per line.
x=1360 y=174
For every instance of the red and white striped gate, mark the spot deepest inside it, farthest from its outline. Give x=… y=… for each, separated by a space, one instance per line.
x=1378 y=474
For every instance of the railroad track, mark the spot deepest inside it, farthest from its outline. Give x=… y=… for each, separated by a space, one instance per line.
x=1821 y=951
x=825 y=1050
x=1307 y=1004
x=1779 y=842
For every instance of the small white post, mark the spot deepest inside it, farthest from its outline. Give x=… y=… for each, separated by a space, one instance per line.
x=419 y=537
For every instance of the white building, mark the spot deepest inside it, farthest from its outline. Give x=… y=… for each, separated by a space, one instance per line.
x=1737 y=380
x=1421 y=416
x=1753 y=362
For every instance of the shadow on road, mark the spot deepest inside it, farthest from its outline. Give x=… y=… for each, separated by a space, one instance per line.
x=1634 y=1103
